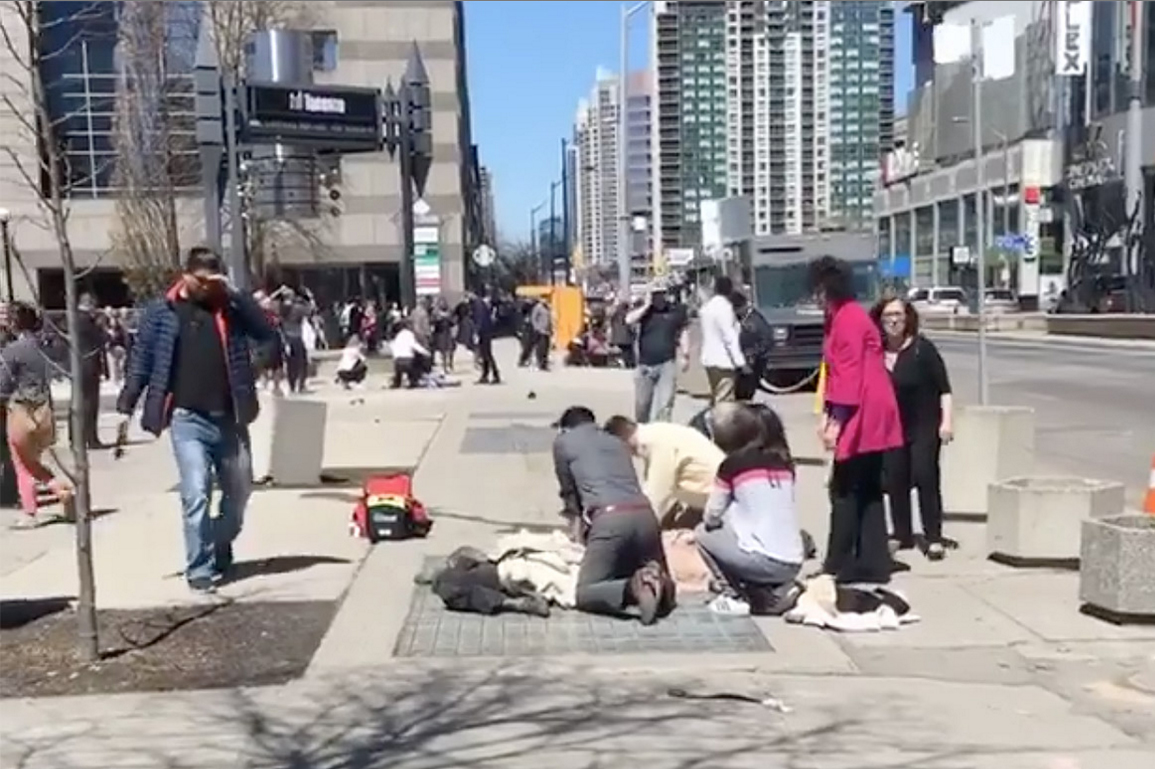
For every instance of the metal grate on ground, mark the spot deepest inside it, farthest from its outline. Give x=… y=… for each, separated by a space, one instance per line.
x=514 y=439
x=430 y=630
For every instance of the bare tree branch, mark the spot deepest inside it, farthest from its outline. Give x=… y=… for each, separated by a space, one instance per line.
x=23 y=37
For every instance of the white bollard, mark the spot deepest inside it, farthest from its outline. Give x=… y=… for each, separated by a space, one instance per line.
x=288 y=441
x=991 y=443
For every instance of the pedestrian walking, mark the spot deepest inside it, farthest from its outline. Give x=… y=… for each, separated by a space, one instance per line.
x=25 y=390
x=484 y=326
x=623 y=336
x=722 y=356
x=194 y=371
x=443 y=341
x=662 y=340
x=860 y=424
x=926 y=408
x=541 y=326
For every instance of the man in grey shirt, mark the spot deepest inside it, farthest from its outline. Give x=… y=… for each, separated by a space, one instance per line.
x=541 y=322
x=624 y=564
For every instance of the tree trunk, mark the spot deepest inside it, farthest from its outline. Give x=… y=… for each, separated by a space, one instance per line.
x=78 y=446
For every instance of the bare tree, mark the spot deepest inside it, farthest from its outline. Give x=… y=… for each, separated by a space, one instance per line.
x=154 y=142
x=36 y=152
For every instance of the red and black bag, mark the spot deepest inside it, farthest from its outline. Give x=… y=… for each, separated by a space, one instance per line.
x=389 y=511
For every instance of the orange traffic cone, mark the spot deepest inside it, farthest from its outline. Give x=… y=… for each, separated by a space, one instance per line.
x=1149 y=502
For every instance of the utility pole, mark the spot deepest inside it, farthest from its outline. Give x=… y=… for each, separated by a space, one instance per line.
x=1133 y=170
x=238 y=263
x=408 y=132
x=980 y=206
x=534 y=241
x=565 y=204
x=623 y=212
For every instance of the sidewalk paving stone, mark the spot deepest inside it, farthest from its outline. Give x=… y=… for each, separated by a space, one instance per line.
x=431 y=630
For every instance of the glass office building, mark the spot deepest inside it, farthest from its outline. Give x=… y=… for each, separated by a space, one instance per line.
x=81 y=66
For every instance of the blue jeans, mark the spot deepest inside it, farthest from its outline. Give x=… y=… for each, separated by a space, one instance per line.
x=654 y=391
x=208 y=448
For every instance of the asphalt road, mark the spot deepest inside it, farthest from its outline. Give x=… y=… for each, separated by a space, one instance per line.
x=1094 y=405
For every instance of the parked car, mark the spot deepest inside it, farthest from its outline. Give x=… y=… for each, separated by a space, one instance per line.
x=939 y=300
x=1000 y=301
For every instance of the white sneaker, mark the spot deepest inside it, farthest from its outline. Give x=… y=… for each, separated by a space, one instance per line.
x=734 y=607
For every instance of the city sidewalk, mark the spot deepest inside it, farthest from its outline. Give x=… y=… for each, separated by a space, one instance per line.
x=1002 y=672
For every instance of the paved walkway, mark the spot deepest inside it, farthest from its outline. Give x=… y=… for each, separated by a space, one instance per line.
x=1002 y=672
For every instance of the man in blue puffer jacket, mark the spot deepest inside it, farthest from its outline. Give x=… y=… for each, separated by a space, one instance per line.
x=192 y=362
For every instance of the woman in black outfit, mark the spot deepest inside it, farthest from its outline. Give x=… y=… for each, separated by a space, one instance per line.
x=922 y=388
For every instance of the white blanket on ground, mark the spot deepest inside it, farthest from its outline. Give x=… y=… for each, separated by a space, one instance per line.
x=817 y=607
x=549 y=562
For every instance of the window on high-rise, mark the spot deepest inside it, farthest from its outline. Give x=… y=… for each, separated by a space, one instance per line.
x=82 y=71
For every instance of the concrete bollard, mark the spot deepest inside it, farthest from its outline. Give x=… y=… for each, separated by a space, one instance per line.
x=990 y=443
x=1039 y=519
x=1117 y=568
x=288 y=441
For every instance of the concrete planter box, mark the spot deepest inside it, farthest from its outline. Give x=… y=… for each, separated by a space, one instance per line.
x=1040 y=519
x=1117 y=567
x=288 y=441
x=991 y=443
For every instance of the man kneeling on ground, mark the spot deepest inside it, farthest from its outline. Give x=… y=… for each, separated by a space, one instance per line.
x=624 y=564
x=680 y=466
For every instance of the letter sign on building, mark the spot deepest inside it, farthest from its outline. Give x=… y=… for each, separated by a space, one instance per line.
x=324 y=116
x=1072 y=38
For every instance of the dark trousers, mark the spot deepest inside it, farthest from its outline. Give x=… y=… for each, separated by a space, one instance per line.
x=470 y=586
x=353 y=375
x=485 y=359
x=526 y=337
x=915 y=466
x=541 y=350
x=857 y=549
x=297 y=364
x=618 y=543
x=408 y=370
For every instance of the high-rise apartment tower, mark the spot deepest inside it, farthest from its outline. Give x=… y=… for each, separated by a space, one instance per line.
x=787 y=102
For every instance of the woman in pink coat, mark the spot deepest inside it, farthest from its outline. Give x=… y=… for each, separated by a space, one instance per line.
x=861 y=423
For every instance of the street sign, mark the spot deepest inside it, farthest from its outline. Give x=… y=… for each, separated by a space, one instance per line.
x=330 y=116
x=484 y=256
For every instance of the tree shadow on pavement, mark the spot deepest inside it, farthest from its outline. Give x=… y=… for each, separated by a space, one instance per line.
x=280 y=564
x=532 y=714
x=17 y=612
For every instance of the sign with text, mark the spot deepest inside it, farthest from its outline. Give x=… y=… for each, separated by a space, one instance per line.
x=900 y=164
x=324 y=116
x=1072 y=38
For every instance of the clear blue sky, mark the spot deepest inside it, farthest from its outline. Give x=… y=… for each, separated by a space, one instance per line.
x=529 y=62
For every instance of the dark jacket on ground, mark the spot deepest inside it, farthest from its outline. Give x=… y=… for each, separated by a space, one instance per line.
x=151 y=365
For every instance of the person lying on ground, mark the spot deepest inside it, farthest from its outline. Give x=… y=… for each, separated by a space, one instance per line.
x=468 y=581
x=624 y=564
x=749 y=537
x=679 y=466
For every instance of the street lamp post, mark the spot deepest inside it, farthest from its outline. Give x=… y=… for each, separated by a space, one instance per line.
x=552 y=254
x=624 y=239
x=6 y=237
x=8 y=494
x=533 y=239
x=1133 y=170
x=408 y=136
x=980 y=213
